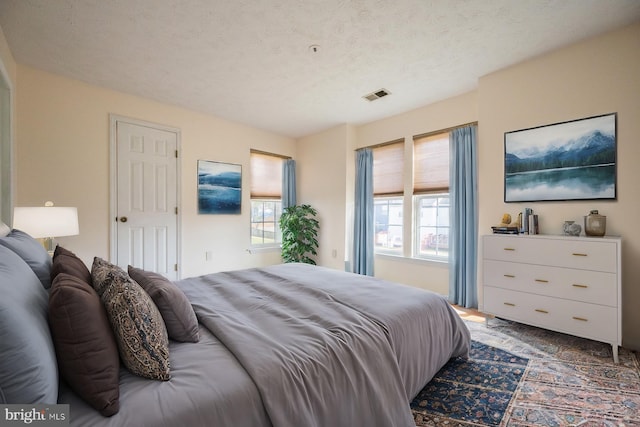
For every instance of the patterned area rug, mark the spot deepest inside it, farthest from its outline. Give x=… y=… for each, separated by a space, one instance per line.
x=477 y=390
x=568 y=381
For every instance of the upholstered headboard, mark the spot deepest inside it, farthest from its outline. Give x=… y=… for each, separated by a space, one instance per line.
x=28 y=367
x=4 y=229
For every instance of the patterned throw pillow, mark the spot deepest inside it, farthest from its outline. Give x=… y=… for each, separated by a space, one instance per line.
x=136 y=322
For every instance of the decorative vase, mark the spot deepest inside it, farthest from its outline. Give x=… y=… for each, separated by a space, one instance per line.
x=595 y=224
x=570 y=228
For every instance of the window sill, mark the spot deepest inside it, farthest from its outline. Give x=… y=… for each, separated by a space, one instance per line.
x=423 y=261
x=264 y=249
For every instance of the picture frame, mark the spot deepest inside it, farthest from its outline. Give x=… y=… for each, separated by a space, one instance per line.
x=219 y=187
x=572 y=160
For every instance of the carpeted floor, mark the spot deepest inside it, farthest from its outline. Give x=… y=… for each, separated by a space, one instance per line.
x=525 y=376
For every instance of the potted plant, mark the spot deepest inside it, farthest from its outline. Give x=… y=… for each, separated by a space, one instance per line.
x=299 y=234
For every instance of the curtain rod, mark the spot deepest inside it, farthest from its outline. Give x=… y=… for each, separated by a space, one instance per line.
x=382 y=144
x=422 y=135
x=266 y=153
x=435 y=132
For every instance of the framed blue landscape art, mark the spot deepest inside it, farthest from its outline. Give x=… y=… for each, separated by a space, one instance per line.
x=573 y=160
x=219 y=187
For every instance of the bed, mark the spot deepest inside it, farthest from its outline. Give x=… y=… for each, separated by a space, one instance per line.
x=285 y=345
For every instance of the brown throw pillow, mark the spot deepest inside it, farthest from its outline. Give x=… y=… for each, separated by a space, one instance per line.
x=85 y=346
x=65 y=261
x=175 y=308
x=136 y=322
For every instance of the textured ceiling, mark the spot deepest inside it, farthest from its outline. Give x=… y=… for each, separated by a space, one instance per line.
x=249 y=60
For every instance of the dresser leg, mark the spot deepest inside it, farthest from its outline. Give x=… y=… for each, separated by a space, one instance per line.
x=486 y=320
x=614 y=348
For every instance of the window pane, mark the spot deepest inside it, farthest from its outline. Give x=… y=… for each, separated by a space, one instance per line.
x=256 y=212
x=269 y=212
x=265 y=225
x=387 y=218
x=443 y=212
x=278 y=213
x=432 y=226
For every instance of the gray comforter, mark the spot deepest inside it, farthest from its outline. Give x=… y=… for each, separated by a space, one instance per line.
x=316 y=360
x=294 y=345
x=424 y=330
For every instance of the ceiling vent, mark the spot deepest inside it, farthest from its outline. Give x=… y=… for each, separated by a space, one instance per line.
x=376 y=95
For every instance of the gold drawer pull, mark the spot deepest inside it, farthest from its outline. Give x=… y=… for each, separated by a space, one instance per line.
x=539 y=310
x=582 y=319
x=579 y=254
x=509 y=249
x=509 y=304
x=542 y=281
x=510 y=276
x=577 y=285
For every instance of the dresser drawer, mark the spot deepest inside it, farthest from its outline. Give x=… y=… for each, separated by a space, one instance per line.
x=580 y=253
x=576 y=318
x=581 y=285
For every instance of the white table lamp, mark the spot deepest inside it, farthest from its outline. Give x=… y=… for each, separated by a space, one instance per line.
x=46 y=222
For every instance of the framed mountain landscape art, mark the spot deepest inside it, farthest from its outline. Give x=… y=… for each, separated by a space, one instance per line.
x=219 y=187
x=574 y=160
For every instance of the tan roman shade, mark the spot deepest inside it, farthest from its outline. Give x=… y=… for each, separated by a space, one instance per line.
x=431 y=163
x=388 y=169
x=266 y=175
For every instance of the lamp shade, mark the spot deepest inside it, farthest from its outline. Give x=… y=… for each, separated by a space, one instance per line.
x=47 y=221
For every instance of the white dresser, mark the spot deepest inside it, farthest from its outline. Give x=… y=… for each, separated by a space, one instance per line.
x=566 y=284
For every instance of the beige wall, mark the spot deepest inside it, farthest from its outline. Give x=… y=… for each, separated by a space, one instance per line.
x=64 y=157
x=595 y=77
x=322 y=183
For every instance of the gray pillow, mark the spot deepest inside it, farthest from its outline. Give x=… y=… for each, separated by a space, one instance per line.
x=32 y=251
x=136 y=322
x=28 y=368
x=175 y=308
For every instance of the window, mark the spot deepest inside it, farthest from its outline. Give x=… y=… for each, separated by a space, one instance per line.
x=266 y=198
x=431 y=196
x=388 y=189
x=432 y=226
x=387 y=216
x=265 y=222
x=429 y=189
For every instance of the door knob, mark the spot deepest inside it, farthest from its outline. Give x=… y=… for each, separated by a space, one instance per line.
x=123 y=219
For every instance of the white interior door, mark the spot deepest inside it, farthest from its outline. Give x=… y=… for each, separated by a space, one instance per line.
x=146 y=201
